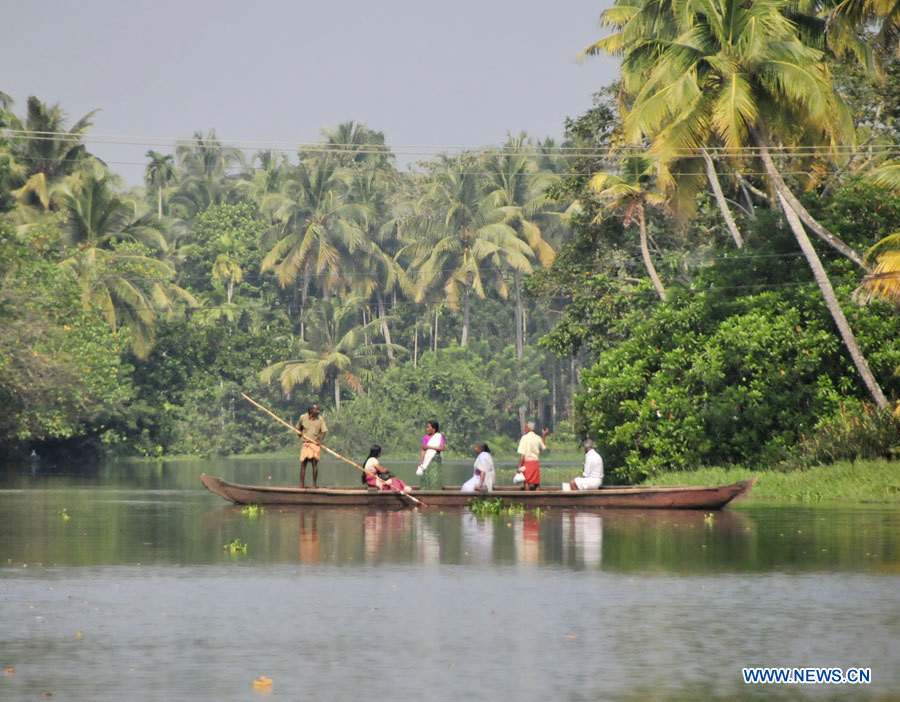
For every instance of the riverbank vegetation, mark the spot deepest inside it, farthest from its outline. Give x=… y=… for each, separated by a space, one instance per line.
x=843 y=481
x=706 y=277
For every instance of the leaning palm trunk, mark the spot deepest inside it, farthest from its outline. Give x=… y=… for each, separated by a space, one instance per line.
x=811 y=222
x=821 y=277
x=713 y=178
x=648 y=262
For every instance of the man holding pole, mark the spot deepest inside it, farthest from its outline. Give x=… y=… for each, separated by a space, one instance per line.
x=312 y=430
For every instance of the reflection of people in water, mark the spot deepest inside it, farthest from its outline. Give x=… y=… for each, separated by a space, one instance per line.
x=309 y=538
x=585 y=536
x=531 y=537
x=478 y=538
x=385 y=534
x=377 y=475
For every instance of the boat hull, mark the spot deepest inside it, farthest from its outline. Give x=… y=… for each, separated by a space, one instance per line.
x=638 y=497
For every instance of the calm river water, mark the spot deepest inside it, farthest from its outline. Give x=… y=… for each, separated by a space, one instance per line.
x=117 y=585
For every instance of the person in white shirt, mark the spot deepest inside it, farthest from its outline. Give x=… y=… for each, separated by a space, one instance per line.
x=483 y=477
x=592 y=477
x=530 y=447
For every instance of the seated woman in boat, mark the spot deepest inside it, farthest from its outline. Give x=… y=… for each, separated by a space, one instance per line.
x=483 y=477
x=377 y=475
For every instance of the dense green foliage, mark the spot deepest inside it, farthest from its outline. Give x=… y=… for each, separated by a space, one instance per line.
x=591 y=285
x=454 y=386
x=62 y=371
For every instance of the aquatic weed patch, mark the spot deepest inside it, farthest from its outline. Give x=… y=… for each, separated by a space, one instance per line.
x=495 y=506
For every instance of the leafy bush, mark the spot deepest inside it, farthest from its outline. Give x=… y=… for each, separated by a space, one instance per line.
x=446 y=387
x=856 y=431
x=702 y=383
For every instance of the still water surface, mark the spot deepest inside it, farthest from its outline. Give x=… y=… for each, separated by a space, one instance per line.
x=135 y=597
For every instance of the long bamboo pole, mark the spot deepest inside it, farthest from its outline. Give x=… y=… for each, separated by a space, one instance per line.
x=333 y=453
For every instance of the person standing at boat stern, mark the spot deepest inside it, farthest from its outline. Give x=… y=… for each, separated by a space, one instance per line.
x=312 y=428
x=530 y=447
x=592 y=476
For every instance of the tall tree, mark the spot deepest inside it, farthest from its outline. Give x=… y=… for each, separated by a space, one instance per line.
x=629 y=194
x=462 y=241
x=160 y=174
x=111 y=248
x=354 y=144
x=336 y=351
x=44 y=145
x=518 y=186
x=643 y=31
x=206 y=177
x=378 y=272
x=738 y=74
x=317 y=227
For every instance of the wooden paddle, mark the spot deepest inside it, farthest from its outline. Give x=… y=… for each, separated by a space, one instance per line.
x=399 y=493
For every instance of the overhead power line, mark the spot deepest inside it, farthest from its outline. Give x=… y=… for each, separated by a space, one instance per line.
x=531 y=149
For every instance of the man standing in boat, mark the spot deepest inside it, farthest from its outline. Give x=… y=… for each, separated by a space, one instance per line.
x=311 y=426
x=530 y=447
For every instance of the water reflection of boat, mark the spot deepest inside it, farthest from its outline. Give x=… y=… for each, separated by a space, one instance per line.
x=638 y=497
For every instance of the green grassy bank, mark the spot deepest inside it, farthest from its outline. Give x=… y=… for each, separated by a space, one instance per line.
x=860 y=481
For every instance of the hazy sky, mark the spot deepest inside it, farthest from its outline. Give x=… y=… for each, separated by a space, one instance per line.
x=275 y=72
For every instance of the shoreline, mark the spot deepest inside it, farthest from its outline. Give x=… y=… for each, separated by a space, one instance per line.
x=863 y=481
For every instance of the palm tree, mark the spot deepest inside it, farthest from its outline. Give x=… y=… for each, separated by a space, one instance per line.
x=644 y=30
x=629 y=194
x=737 y=74
x=462 y=241
x=267 y=177
x=378 y=272
x=355 y=144
x=112 y=243
x=335 y=353
x=205 y=164
x=159 y=175
x=317 y=227
x=517 y=186
x=870 y=29
x=46 y=146
x=884 y=281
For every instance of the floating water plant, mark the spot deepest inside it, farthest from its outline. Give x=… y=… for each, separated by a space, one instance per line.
x=64 y=514
x=489 y=506
x=252 y=511
x=483 y=506
x=236 y=546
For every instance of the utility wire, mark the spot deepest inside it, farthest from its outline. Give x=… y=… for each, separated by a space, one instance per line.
x=531 y=150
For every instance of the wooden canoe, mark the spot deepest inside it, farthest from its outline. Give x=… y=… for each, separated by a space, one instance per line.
x=638 y=497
